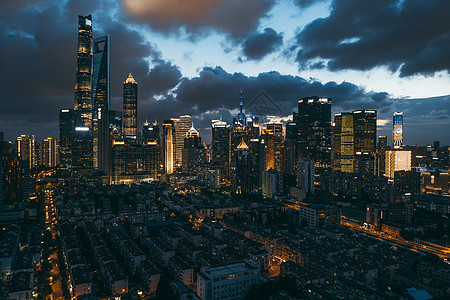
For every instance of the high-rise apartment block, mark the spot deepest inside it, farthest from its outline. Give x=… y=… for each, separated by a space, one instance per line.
x=27 y=149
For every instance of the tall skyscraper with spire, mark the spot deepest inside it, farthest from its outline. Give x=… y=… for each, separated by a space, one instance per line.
x=101 y=105
x=130 y=96
x=81 y=147
x=83 y=92
x=167 y=143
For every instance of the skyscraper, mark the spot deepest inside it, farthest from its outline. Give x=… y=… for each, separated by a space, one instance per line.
x=83 y=96
x=314 y=131
x=10 y=174
x=81 y=144
x=130 y=96
x=273 y=141
x=220 y=147
x=354 y=141
x=180 y=128
x=100 y=75
x=66 y=129
x=27 y=149
x=343 y=143
x=101 y=105
x=194 y=153
x=49 y=156
x=240 y=181
x=167 y=151
x=397 y=132
x=365 y=124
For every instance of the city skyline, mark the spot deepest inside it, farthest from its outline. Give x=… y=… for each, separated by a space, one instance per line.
x=257 y=56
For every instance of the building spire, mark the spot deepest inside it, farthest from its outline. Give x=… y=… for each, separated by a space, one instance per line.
x=241 y=104
x=130 y=79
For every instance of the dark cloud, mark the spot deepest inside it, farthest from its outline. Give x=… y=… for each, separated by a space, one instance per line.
x=38 y=59
x=412 y=36
x=258 y=45
x=197 y=17
x=307 y=3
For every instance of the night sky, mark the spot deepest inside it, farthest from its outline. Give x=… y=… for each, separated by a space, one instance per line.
x=194 y=57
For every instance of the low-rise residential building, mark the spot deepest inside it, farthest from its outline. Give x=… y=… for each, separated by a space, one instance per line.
x=227 y=281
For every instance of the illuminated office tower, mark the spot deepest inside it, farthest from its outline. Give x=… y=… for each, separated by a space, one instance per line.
x=27 y=149
x=314 y=131
x=240 y=181
x=130 y=96
x=381 y=155
x=397 y=160
x=180 y=128
x=49 y=156
x=194 y=153
x=83 y=92
x=365 y=128
x=220 y=147
x=397 y=132
x=343 y=143
x=167 y=153
x=81 y=144
x=101 y=105
x=10 y=174
x=66 y=129
x=354 y=141
x=151 y=134
x=273 y=141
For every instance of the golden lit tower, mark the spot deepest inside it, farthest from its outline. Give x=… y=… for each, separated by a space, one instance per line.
x=168 y=146
x=27 y=149
x=181 y=127
x=83 y=93
x=130 y=94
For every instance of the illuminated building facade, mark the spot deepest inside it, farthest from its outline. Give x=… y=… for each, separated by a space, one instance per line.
x=101 y=104
x=81 y=144
x=10 y=174
x=130 y=96
x=240 y=181
x=343 y=145
x=181 y=126
x=167 y=141
x=151 y=134
x=397 y=160
x=194 y=153
x=27 y=149
x=83 y=92
x=314 y=131
x=365 y=128
x=133 y=163
x=354 y=141
x=220 y=147
x=397 y=132
x=273 y=142
x=49 y=152
x=66 y=129
x=382 y=146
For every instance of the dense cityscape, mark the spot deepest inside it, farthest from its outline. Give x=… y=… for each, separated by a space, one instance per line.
x=316 y=207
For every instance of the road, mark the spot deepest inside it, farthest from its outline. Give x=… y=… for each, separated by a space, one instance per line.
x=440 y=251
x=50 y=220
